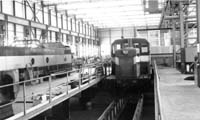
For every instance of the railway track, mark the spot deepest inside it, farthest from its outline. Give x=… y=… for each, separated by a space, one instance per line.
x=138 y=105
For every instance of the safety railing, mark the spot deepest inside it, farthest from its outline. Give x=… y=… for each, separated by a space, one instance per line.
x=32 y=97
x=138 y=110
x=113 y=111
x=158 y=110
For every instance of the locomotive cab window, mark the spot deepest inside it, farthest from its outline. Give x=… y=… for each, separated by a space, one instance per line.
x=118 y=47
x=125 y=45
x=136 y=45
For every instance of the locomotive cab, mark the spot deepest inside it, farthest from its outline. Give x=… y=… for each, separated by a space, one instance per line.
x=130 y=60
x=127 y=63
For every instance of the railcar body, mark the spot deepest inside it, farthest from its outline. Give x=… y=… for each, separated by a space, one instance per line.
x=28 y=59
x=131 y=60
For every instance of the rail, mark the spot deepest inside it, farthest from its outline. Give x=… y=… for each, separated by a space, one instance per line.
x=113 y=111
x=138 y=110
x=36 y=100
x=158 y=110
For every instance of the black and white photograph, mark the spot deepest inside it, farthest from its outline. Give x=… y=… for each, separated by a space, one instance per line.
x=99 y=59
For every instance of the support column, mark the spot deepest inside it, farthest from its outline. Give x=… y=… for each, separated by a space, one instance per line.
x=42 y=5
x=122 y=33
x=197 y=71
x=66 y=103
x=66 y=15
x=135 y=32
x=14 y=8
x=186 y=35
x=34 y=12
x=56 y=11
x=49 y=17
x=75 y=24
x=110 y=42
x=174 y=43
x=1 y=6
x=182 y=37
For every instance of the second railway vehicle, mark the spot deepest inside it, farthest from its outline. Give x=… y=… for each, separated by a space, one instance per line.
x=28 y=59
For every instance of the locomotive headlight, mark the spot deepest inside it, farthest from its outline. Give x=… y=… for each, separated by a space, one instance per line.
x=125 y=52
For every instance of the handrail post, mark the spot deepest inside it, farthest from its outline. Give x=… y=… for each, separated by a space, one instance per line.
x=79 y=81
x=24 y=97
x=109 y=69
x=50 y=93
x=67 y=90
x=96 y=72
x=89 y=73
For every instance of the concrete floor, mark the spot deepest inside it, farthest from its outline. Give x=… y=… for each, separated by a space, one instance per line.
x=180 y=99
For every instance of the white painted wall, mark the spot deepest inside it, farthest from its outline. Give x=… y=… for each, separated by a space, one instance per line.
x=108 y=36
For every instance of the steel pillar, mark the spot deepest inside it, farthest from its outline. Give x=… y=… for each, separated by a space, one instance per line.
x=135 y=32
x=66 y=103
x=197 y=76
x=181 y=20
x=186 y=35
x=110 y=41
x=122 y=32
x=174 y=43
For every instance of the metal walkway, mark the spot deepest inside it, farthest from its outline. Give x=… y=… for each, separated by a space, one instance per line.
x=35 y=99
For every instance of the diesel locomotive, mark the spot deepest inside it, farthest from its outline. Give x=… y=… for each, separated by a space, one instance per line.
x=131 y=60
x=28 y=59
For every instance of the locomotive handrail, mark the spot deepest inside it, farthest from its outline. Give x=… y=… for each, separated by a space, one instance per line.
x=158 y=109
x=48 y=90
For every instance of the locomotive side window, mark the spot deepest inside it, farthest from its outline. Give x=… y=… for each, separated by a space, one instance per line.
x=115 y=47
x=144 y=48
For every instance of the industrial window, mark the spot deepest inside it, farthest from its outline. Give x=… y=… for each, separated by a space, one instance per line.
x=11 y=36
